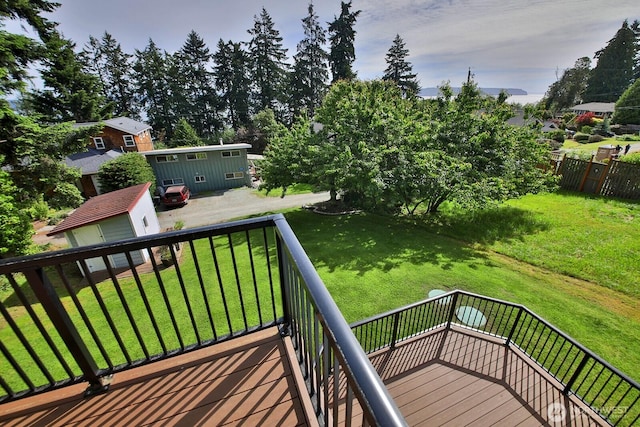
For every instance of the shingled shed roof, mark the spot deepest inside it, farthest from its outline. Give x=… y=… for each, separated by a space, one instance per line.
x=102 y=207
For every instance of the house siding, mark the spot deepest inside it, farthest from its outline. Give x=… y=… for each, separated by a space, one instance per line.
x=213 y=169
x=119 y=228
x=113 y=139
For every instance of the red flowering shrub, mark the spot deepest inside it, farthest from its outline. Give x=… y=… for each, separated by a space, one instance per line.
x=586 y=119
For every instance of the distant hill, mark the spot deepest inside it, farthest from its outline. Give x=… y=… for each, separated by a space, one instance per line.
x=494 y=91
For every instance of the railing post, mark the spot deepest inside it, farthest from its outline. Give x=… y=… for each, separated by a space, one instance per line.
x=513 y=329
x=452 y=310
x=284 y=286
x=396 y=325
x=51 y=303
x=574 y=377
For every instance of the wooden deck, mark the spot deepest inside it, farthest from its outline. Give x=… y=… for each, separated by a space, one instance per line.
x=450 y=378
x=247 y=381
x=460 y=378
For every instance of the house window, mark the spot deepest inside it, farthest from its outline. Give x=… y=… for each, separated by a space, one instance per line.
x=200 y=178
x=173 y=181
x=129 y=141
x=234 y=175
x=169 y=158
x=99 y=143
x=145 y=222
x=196 y=156
x=234 y=153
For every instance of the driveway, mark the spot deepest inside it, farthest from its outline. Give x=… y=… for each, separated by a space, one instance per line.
x=231 y=204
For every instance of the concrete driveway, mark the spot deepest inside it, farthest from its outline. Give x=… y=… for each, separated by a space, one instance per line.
x=231 y=204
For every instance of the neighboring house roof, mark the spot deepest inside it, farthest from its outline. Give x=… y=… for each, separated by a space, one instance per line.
x=123 y=124
x=102 y=207
x=596 y=107
x=90 y=161
x=197 y=149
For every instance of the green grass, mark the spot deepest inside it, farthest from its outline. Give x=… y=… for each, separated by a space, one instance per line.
x=572 y=259
x=294 y=189
x=372 y=264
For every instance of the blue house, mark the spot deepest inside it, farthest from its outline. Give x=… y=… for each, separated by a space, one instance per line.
x=204 y=168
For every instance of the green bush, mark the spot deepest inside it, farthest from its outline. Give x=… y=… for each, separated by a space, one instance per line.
x=580 y=137
x=595 y=138
x=39 y=210
x=586 y=129
x=65 y=195
x=556 y=135
x=629 y=137
x=631 y=158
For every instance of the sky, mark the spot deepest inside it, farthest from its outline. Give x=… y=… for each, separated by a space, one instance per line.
x=522 y=44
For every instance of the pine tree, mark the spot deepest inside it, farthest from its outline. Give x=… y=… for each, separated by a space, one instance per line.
x=152 y=88
x=342 y=36
x=232 y=80
x=113 y=67
x=199 y=101
x=399 y=70
x=268 y=65
x=71 y=92
x=310 y=75
x=615 y=69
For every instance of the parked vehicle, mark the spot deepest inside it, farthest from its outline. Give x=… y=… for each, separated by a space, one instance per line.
x=176 y=195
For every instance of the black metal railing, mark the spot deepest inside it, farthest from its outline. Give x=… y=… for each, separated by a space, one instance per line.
x=603 y=388
x=83 y=314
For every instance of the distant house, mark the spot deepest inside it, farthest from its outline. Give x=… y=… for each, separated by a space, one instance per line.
x=599 y=109
x=519 y=120
x=89 y=163
x=117 y=215
x=122 y=133
x=205 y=168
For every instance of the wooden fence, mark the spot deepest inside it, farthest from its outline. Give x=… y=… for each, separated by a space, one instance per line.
x=613 y=179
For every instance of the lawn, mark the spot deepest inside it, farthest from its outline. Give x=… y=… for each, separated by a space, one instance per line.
x=570 y=258
x=517 y=252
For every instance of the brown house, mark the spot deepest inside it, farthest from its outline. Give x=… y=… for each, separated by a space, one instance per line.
x=122 y=133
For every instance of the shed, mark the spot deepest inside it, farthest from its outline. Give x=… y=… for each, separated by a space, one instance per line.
x=120 y=214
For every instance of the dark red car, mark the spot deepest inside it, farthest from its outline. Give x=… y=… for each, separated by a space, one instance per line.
x=176 y=195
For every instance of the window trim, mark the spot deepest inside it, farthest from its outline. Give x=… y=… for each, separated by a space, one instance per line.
x=168 y=158
x=231 y=153
x=98 y=141
x=200 y=155
x=198 y=179
x=127 y=143
x=233 y=175
x=172 y=181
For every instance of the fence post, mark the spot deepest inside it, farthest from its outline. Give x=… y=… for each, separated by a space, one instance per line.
x=43 y=289
x=285 y=288
x=452 y=310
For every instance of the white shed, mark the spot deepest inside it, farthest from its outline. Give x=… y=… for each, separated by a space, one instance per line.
x=120 y=214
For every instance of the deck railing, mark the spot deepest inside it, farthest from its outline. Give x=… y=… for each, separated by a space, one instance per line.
x=606 y=390
x=63 y=322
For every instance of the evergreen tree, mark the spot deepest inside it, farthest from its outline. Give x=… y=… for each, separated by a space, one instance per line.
x=113 y=67
x=568 y=90
x=341 y=36
x=310 y=75
x=184 y=135
x=268 y=65
x=198 y=100
x=71 y=92
x=232 y=80
x=152 y=87
x=126 y=171
x=615 y=69
x=627 y=108
x=399 y=70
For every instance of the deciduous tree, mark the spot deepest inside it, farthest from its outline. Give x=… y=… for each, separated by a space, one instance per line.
x=125 y=171
x=627 y=109
x=568 y=90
